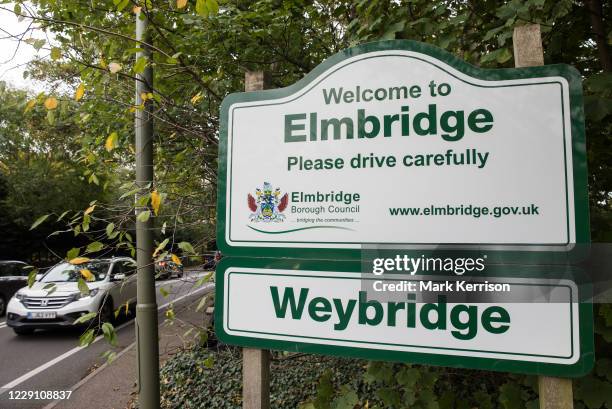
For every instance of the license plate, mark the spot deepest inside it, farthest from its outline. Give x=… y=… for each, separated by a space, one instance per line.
x=43 y=315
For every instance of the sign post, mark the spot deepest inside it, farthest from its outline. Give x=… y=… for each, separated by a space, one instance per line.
x=255 y=362
x=555 y=393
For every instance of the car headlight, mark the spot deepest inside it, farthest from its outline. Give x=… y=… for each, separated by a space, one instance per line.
x=19 y=296
x=73 y=297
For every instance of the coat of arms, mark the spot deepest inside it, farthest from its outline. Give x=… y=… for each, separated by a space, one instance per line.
x=268 y=204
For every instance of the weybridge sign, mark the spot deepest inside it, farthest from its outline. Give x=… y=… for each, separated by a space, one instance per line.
x=538 y=327
x=399 y=143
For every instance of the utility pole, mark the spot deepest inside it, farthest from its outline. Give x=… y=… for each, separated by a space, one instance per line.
x=146 y=307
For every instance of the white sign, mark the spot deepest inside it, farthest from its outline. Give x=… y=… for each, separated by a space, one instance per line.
x=399 y=147
x=328 y=308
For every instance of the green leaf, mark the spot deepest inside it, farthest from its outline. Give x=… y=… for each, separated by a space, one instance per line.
x=160 y=247
x=594 y=392
x=510 y=396
x=95 y=246
x=109 y=229
x=85 y=318
x=504 y=55
x=109 y=333
x=140 y=65
x=73 y=253
x=201 y=8
x=17 y=8
x=63 y=215
x=39 y=221
x=87 y=338
x=56 y=53
x=213 y=6
x=203 y=279
x=392 y=29
x=129 y=193
x=94 y=179
x=122 y=4
x=32 y=278
x=186 y=247
x=50 y=117
x=38 y=44
x=109 y=356
x=209 y=362
x=347 y=400
x=86 y=221
x=143 y=200
x=82 y=286
x=201 y=303
x=163 y=292
x=144 y=216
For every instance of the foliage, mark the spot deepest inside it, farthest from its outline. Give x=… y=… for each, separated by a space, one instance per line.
x=201 y=378
x=31 y=150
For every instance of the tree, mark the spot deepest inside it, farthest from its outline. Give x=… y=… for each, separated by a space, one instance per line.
x=38 y=175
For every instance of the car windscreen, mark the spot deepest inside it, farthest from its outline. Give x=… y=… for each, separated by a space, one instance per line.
x=66 y=272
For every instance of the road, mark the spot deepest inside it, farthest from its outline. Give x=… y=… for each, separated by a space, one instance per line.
x=53 y=360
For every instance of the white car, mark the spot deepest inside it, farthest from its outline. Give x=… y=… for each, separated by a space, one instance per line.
x=112 y=284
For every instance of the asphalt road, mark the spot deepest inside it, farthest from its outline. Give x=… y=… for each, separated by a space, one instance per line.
x=53 y=360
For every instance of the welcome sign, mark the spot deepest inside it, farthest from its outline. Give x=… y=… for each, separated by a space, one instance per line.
x=392 y=147
x=323 y=308
x=397 y=143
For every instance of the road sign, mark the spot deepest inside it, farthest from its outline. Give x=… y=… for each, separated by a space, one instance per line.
x=313 y=306
x=400 y=143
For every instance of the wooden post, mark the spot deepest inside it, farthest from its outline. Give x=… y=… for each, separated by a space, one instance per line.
x=555 y=393
x=256 y=362
x=255 y=378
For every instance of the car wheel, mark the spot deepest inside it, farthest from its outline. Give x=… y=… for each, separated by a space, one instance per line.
x=23 y=331
x=2 y=306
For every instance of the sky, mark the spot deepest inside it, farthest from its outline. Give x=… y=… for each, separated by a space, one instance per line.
x=14 y=55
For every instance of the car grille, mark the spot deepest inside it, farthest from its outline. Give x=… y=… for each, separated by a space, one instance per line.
x=45 y=302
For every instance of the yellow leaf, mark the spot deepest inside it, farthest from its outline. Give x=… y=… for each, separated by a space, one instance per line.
x=79 y=260
x=196 y=98
x=155 y=201
x=114 y=67
x=181 y=4
x=30 y=105
x=87 y=275
x=176 y=260
x=136 y=9
x=51 y=103
x=90 y=209
x=144 y=96
x=111 y=141
x=79 y=92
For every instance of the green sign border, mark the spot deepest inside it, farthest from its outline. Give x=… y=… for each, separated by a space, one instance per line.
x=580 y=368
x=561 y=70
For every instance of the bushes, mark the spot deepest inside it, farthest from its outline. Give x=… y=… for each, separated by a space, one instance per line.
x=201 y=378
